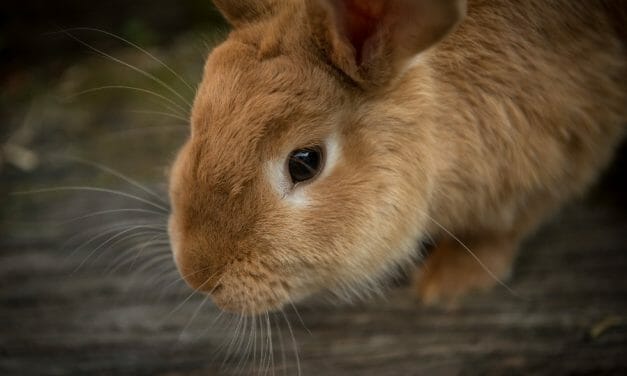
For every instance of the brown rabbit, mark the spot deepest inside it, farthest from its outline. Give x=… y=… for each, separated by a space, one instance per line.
x=330 y=137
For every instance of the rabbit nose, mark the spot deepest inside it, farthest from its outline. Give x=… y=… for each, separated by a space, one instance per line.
x=199 y=274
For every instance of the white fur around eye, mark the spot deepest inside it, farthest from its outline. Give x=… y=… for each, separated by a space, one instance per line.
x=418 y=59
x=275 y=173
x=279 y=179
x=332 y=154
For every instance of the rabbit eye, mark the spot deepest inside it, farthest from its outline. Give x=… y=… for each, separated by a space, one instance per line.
x=304 y=164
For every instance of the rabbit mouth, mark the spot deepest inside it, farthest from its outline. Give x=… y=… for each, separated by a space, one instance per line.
x=252 y=292
x=241 y=284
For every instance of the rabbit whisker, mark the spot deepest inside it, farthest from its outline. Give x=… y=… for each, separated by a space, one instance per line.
x=93 y=189
x=139 y=48
x=155 y=261
x=270 y=345
x=191 y=319
x=176 y=109
x=104 y=232
x=118 y=175
x=159 y=129
x=126 y=238
x=474 y=256
x=132 y=67
x=168 y=270
x=165 y=245
x=194 y=292
x=108 y=241
x=298 y=315
x=180 y=278
x=234 y=338
x=294 y=344
x=281 y=345
x=124 y=256
x=161 y=113
x=112 y=211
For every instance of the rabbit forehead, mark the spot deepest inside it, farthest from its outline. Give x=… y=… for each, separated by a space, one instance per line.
x=236 y=77
x=247 y=107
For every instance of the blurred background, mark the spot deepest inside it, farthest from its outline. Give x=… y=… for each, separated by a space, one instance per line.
x=94 y=103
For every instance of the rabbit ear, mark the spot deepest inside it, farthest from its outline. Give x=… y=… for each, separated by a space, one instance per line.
x=370 y=40
x=239 y=12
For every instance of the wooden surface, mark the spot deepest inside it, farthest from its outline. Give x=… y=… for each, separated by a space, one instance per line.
x=570 y=315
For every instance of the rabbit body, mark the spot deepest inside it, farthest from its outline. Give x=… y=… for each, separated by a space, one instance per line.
x=465 y=123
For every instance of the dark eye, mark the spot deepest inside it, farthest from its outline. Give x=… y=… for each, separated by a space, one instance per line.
x=304 y=164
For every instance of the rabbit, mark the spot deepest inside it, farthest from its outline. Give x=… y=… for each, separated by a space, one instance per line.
x=330 y=138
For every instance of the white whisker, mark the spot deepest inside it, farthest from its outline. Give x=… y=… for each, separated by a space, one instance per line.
x=232 y=341
x=181 y=277
x=298 y=315
x=254 y=362
x=141 y=50
x=270 y=344
x=152 y=129
x=262 y=344
x=132 y=88
x=130 y=66
x=161 y=113
x=112 y=211
x=121 y=240
x=119 y=175
x=92 y=189
x=189 y=322
x=194 y=292
x=125 y=256
x=295 y=346
x=280 y=337
x=474 y=256
x=108 y=241
x=169 y=269
x=106 y=231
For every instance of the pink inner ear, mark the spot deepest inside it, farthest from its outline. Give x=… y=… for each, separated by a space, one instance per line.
x=360 y=20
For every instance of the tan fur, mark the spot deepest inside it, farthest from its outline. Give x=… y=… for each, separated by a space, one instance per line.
x=488 y=132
